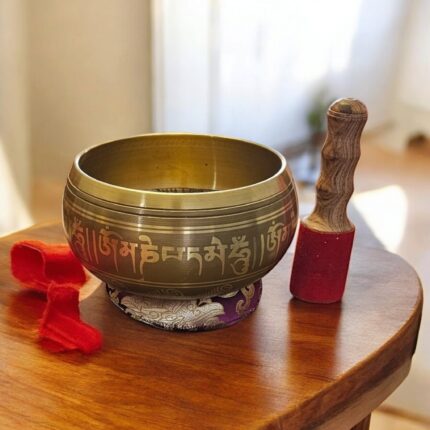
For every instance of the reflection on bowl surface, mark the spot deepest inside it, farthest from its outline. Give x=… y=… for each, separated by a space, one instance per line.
x=180 y=215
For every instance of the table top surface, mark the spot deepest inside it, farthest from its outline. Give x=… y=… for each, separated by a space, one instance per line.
x=289 y=365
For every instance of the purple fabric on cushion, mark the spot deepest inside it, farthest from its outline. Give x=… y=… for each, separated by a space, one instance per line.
x=189 y=315
x=242 y=304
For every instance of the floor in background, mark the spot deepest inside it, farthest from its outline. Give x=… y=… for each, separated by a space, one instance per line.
x=393 y=195
x=47 y=200
x=395 y=421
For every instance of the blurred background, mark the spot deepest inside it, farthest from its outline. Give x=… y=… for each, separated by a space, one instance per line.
x=78 y=73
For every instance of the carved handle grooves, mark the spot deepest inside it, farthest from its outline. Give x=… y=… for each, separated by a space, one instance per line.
x=339 y=157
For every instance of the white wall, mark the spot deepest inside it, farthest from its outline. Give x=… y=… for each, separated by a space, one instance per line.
x=413 y=84
x=251 y=69
x=412 y=101
x=89 y=77
x=181 y=65
x=72 y=74
x=14 y=141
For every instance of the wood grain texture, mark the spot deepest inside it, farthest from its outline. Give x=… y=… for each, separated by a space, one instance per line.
x=339 y=157
x=290 y=365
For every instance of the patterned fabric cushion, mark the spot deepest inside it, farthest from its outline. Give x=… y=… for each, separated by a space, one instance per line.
x=190 y=315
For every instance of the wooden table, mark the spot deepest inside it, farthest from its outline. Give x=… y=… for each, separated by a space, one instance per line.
x=290 y=365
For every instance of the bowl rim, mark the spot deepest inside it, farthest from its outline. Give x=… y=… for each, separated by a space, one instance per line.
x=251 y=193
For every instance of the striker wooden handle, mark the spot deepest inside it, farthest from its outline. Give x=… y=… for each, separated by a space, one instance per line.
x=340 y=155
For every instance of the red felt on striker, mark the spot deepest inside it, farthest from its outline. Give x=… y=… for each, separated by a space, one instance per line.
x=320 y=266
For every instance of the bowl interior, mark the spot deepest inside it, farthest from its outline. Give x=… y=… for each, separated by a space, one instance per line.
x=180 y=163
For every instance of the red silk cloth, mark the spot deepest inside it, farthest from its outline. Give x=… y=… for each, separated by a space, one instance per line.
x=320 y=266
x=54 y=271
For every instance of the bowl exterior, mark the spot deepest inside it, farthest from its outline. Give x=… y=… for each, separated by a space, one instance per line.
x=180 y=254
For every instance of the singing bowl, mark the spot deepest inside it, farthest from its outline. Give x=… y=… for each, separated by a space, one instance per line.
x=179 y=216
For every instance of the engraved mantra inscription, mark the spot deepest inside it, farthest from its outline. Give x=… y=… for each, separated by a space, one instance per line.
x=238 y=256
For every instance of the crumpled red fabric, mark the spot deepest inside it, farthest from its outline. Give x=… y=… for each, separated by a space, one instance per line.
x=37 y=265
x=55 y=272
x=61 y=323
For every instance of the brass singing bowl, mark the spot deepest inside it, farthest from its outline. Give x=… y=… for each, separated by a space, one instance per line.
x=179 y=215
